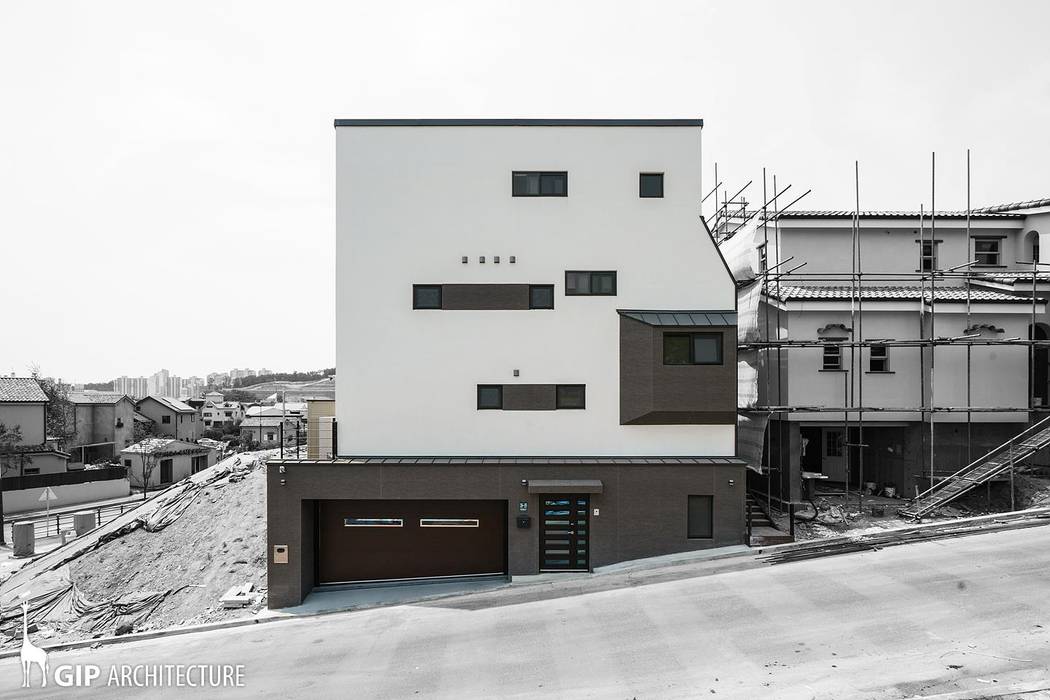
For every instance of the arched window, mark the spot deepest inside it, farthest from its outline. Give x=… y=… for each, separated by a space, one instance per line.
x=1032 y=245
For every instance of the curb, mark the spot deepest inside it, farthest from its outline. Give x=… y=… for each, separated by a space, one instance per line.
x=1012 y=518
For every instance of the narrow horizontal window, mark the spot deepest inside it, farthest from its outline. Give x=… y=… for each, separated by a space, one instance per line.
x=373 y=522
x=692 y=348
x=541 y=296
x=571 y=396
x=650 y=185
x=588 y=283
x=490 y=396
x=534 y=183
x=426 y=296
x=449 y=522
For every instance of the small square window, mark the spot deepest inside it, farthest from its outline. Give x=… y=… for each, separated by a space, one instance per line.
x=701 y=521
x=541 y=296
x=571 y=396
x=490 y=396
x=879 y=360
x=166 y=420
x=832 y=357
x=650 y=185
x=707 y=348
x=426 y=296
x=676 y=349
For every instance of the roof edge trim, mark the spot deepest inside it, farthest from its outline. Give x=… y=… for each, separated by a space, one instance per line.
x=520 y=122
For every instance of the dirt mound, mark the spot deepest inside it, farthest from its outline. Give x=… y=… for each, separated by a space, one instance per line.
x=216 y=541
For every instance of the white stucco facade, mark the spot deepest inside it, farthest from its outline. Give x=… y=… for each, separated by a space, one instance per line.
x=412 y=202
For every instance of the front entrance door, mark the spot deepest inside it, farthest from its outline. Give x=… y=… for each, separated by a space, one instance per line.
x=834 y=454
x=565 y=533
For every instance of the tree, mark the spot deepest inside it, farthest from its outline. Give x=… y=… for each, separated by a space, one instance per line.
x=59 y=423
x=9 y=438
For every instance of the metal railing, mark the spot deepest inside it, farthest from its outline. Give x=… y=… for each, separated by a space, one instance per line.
x=44 y=526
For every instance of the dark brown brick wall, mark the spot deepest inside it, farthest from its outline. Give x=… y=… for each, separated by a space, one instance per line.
x=652 y=393
x=642 y=510
x=484 y=297
x=529 y=397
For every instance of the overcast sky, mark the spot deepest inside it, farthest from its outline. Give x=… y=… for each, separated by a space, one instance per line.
x=166 y=169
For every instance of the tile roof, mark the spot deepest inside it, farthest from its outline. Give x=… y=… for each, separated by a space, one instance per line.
x=895 y=214
x=14 y=389
x=163 y=446
x=173 y=404
x=265 y=422
x=1015 y=206
x=943 y=294
x=105 y=397
x=1014 y=278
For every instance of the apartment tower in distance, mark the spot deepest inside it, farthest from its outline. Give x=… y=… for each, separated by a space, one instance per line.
x=536 y=346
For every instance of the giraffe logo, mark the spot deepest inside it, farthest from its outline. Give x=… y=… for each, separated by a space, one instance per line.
x=31 y=654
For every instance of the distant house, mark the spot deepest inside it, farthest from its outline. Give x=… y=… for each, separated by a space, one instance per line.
x=104 y=422
x=288 y=409
x=221 y=415
x=171 y=417
x=23 y=407
x=266 y=430
x=161 y=461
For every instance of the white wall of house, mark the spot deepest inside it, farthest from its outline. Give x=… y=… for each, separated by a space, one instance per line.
x=890 y=245
x=29 y=416
x=411 y=202
x=999 y=374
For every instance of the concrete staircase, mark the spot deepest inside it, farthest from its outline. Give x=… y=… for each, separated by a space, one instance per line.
x=763 y=531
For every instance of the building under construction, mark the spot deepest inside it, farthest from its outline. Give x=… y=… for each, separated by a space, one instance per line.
x=891 y=353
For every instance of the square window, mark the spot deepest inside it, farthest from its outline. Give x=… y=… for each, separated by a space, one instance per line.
x=603 y=283
x=490 y=396
x=571 y=396
x=832 y=357
x=879 y=360
x=577 y=283
x=650 y=185
x=541 y=296
x=426 y=296
x=707 y=348
x=677 y=349
x=701 y=521
x=987 y=251
x=166 y=420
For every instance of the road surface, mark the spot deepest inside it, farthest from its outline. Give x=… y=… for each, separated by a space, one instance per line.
x=964 y=617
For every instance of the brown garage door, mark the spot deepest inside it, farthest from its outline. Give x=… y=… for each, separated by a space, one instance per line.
x=384 y=540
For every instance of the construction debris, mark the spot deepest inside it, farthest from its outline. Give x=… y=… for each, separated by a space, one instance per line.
x=238 y=596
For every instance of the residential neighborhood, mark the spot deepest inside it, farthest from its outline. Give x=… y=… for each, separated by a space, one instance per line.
x=519 y=350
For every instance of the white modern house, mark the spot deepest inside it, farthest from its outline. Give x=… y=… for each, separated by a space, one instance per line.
x=536 y=345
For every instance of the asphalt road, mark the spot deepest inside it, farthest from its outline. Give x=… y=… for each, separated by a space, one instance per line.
x=964 y=617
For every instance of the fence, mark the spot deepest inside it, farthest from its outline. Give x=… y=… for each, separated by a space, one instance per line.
x=39 y=481
x=44 y=526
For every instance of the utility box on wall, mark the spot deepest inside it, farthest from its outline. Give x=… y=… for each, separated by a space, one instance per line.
x=524 y=522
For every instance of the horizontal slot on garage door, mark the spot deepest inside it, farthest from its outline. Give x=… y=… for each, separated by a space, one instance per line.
x=449 y=522
x=373 y=522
